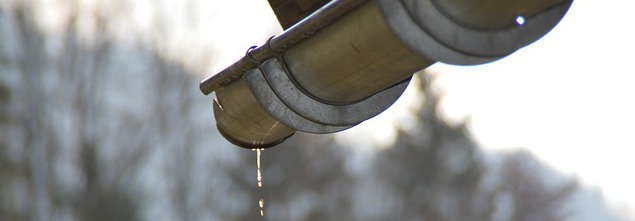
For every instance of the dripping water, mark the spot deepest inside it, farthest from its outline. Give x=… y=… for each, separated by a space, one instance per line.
x=261 y=201
x=520 y=20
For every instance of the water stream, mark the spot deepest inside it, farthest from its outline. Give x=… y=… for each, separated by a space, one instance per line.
x=261 y=201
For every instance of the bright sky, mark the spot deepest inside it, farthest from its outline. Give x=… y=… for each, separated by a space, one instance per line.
x=568 y=97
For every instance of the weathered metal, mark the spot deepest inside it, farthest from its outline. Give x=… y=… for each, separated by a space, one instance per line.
x=269 y=100
x=242 y=121
x=264 y=104
x=281 y=82
x=425 y=29
x=351 y=60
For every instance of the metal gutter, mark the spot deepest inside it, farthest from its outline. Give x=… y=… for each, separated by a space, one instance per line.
x=352 y=59
x=300 y=31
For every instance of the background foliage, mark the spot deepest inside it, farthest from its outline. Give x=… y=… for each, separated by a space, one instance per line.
x=99 y=121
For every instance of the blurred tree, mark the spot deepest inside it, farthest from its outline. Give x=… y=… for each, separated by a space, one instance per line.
x=443 y=175
x=50 y=91
x=98 y=121
x=77 y=122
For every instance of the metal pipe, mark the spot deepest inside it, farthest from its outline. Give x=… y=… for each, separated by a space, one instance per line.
x=351 y=58
x=243 y=121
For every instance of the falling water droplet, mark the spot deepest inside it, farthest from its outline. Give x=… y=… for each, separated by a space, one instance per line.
x=259 y=178
x=261 y=202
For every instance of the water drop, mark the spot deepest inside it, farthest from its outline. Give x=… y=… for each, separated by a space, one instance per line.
x=261 y=202
x=520 y=20
x=259 y=177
